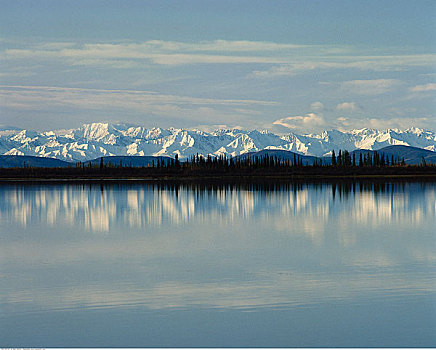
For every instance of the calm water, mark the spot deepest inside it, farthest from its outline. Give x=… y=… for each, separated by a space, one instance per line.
x=145 y=265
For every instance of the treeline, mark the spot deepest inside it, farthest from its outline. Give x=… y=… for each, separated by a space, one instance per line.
x=344 y=159
x=343 y=164
x=199 y=162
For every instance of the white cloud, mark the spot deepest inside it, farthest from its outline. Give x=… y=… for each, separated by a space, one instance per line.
x=148 y=96
x=206 y=46
x=347 y=107
x=310 y=57
x=46 y=98
x=315 y=123
x=155 y=51
x=184 y=59
x=370 y=63
x=370 y=87
x=342 y=123
x=242 y=45
x=422 y=88
x=214 y=127
x=400 y=123
x=317 y=106
x=309 y=121
x=98 y=62
x=90 y=54
x=293 y=69
x=55 y=45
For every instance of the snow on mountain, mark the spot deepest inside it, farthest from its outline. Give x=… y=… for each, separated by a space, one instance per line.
x=103 y=139
x=8 y=130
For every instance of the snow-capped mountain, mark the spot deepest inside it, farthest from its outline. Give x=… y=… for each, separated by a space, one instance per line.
x=103 y=139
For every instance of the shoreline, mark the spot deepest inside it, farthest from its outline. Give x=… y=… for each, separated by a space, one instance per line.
x=228 y=178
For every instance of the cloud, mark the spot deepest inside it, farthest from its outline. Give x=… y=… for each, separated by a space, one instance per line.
x=205 y=46
x=400 y=123
x=347 y=107
x=423 y=88
x=240 y=45
x=282 y=55
x=144 y=103
x=98 y=62
x=327 y=62
x=186 y=59
x=293 y=69
x=215 y=127
x=56 y=45
x=343 y=123
x=155 y=51
x=342 y=120
x=92 y=54
x=370 y=87
x=315 y=123
x=317 y=106
x=309 y=121
x=146 y=95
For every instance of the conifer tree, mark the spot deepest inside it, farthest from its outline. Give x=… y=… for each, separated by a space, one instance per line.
x=346 y=161
x=333 y=158
x=423 y=163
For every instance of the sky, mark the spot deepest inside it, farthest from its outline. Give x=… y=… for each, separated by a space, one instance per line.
x=285 y=66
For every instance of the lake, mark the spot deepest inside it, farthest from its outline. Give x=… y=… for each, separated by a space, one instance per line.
x=137 y=264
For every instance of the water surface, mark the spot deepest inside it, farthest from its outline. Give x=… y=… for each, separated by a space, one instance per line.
x=137 y=264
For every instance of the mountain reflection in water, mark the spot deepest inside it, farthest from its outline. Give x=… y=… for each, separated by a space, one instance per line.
x=99 y=207
x=138 y=246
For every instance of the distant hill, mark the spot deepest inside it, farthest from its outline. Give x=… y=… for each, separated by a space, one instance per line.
x=21 y=161
x=134 y=161
x=412 y=155
x=282 y=155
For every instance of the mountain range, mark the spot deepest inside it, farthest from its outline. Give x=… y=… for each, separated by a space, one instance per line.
x=91 y=141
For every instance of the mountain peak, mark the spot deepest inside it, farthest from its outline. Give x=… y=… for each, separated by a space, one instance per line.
x=416 y=131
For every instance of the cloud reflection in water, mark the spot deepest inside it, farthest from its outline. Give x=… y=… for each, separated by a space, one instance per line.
x=156 y=246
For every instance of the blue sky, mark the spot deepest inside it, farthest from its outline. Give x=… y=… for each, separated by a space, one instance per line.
x=300 y=66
